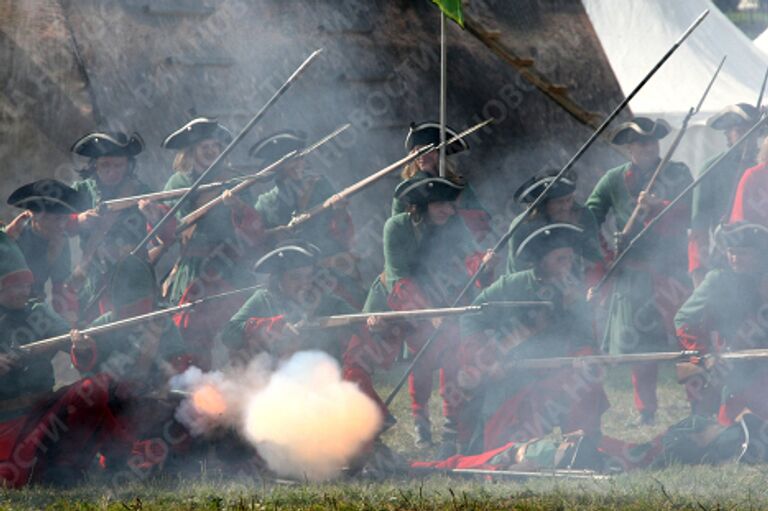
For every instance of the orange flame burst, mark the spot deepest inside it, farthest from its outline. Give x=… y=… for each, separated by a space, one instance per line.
x=208 y=400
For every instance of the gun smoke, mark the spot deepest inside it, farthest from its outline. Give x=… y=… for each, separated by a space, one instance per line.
x=303 y=420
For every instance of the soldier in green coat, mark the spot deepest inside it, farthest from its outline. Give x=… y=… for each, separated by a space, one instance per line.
x=105 y=237
x=475 y=216
x=652 y=282
x=40 y=232
x=216 y=251
x=558 y=206
x=428 y=256
x=296 y=191
x=517 y=405
x=712 y=199
x=47 y=436
x=267 y=322
x=726 y=312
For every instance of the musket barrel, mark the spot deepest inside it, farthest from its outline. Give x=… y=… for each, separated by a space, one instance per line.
x=51 y=342
x=562 y=362
x=348 y=319
x=363 y=183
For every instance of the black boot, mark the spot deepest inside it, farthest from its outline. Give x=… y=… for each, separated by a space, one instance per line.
x=423 y=432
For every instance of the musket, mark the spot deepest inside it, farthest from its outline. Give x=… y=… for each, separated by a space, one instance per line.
x=417 y=314
x=127 y=202
x=518 y=221
x=50 y=343
x=235 y=141
x=652 y=223
x=587 y=360
x=363 y=183
x=269 y=170
x=632 y=358
x=630 y=225
x=518 y=474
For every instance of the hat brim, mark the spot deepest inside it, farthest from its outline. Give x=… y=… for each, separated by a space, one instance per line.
x=47 y=196
x=531 y=189
x=730 y=117
x=420 y=191
x=99 y=145
x=429 y=133
x=631 y=131
x=285 y=258
x=196 y=131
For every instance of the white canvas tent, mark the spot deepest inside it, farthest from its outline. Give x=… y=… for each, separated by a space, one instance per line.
x=761 y=42
x=635 y=34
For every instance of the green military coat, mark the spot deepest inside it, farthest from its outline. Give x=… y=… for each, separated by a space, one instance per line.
x=637 y=322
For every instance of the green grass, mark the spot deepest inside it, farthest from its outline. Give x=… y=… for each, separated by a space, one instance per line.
x=702 y=487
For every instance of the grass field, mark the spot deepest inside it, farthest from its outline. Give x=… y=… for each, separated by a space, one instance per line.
x=701 y=487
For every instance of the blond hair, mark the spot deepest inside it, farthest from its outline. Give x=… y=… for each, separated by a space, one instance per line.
x=184 y=161
x=410 y=169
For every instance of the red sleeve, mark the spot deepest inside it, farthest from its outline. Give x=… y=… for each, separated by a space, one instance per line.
x=407 y=295
x=79 y=363
x=698 y=244
x=472 y=264
x=692 y=339
x=751 y=200
x=263 y=331
x=248 y=224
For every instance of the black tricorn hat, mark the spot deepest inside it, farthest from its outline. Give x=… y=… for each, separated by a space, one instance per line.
x=272 y=148
x=196 y=130
x=108 y=143
x=639 y=128
x=531 y=189
x=290 y=256
x=47 y=196
x=423 y=190
x=547 y=238
x=741 y=234
x=733 y=115
x=426 y=133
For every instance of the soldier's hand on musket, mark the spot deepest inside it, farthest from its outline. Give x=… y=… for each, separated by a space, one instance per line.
x=151 y=210
x=374 y=323
x=7 y=362
x=647 y=201
x=80 y=341
x=87 y=219
x=13 y=229
x=590 y=294
x=231 y=200
x=336 y=201
x=490 y=259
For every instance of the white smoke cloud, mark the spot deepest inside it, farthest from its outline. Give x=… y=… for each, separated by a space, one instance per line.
x=303 y=419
